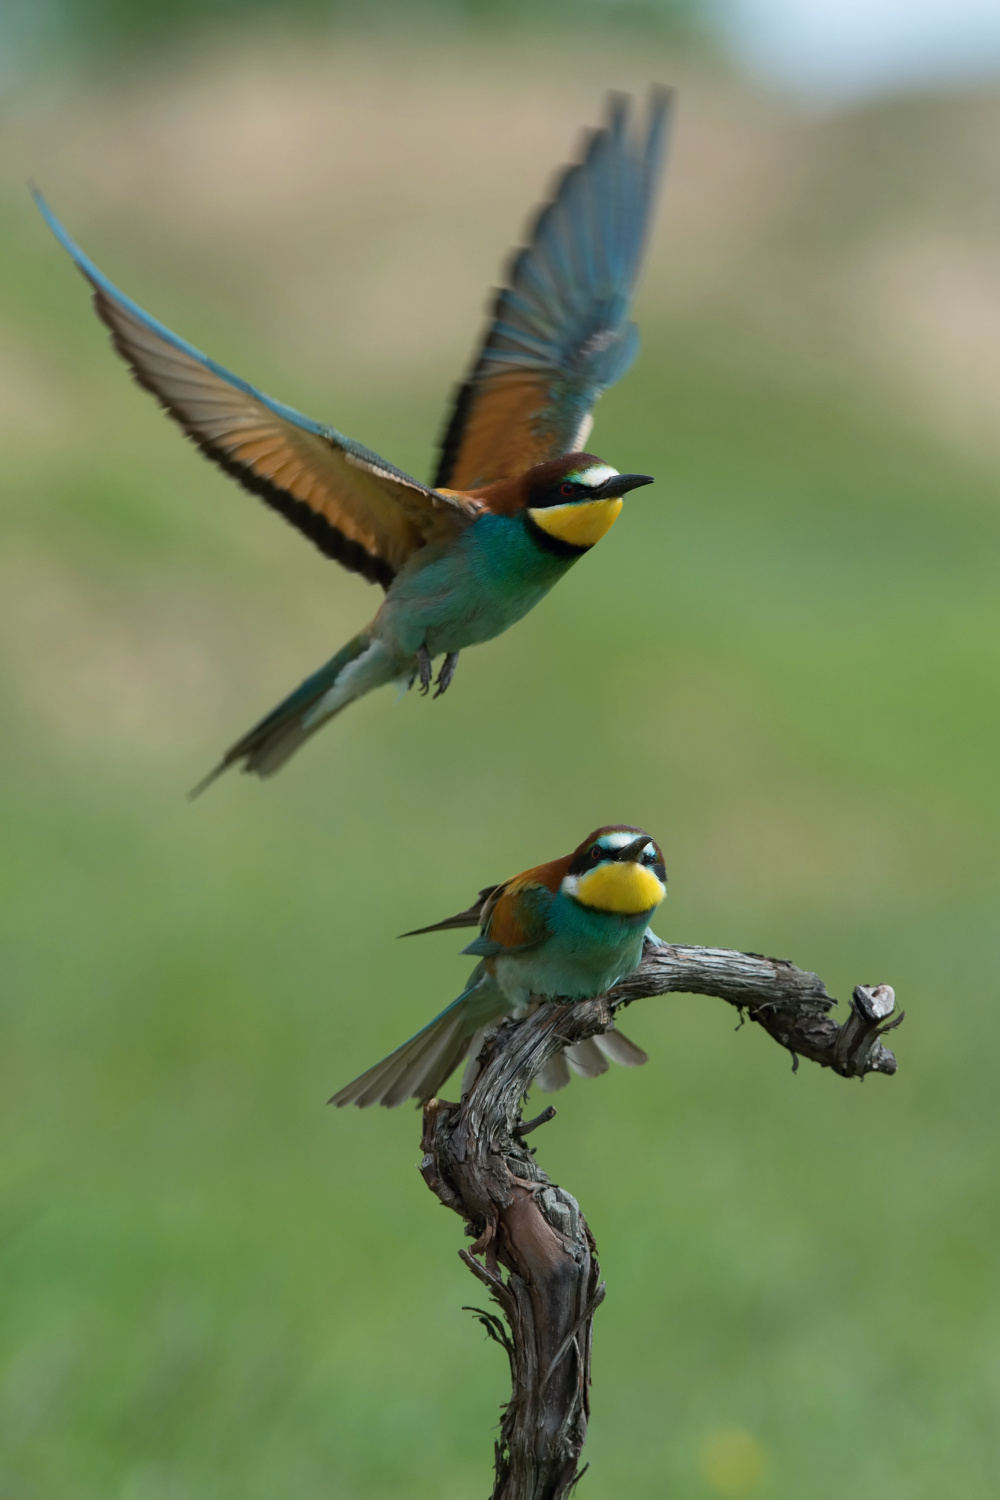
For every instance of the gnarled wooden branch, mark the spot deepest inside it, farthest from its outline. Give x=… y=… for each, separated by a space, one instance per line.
x=476 y=1162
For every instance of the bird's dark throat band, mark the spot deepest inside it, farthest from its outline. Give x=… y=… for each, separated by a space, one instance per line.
x=550 y=543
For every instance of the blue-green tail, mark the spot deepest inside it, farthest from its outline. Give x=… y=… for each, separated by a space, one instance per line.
x=360 y=666
x=418 y=1068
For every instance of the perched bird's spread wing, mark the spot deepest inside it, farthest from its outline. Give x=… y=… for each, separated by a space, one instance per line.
x=357 y=508
x=561 y=332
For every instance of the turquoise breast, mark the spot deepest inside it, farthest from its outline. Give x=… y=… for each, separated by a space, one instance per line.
x=471 y=590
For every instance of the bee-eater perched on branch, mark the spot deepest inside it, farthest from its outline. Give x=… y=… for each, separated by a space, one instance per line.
x=568 y=930
x=515 y=501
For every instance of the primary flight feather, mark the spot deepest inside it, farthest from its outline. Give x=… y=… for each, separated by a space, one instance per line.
x=515 y=500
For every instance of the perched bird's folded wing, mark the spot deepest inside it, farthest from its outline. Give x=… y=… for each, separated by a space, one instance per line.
x=561 y=332
x=511 y=915
x=515 y=916
x=471 y=917
x=357 y=508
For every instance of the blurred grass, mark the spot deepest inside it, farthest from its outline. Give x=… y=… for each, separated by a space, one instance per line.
x=783 y=661
x=120 y=30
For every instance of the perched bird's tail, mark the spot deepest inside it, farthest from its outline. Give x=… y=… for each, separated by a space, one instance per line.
x=589 y=1058
x=418 y=1068
x=360 y=666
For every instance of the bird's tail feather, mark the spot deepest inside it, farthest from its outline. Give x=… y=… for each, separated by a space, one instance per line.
x=360 y=666
x=553 y=1075
x=620 y=1050
x=589 y=1058
x=586 y=1058
x=418 y=1068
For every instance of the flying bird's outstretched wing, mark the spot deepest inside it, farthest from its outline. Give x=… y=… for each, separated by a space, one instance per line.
x=357 y=508
x=561 y=332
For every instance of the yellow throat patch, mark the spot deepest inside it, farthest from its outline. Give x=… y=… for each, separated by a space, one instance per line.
x=625 y=888
x=580 y=523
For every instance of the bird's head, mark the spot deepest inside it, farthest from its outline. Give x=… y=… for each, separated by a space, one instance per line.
x=617 y=869
x=572 y=501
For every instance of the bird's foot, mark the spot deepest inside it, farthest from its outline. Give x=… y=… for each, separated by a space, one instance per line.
x=425 y=668
x=446 y=673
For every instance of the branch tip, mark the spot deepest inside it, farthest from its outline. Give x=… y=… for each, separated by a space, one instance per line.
x=527 y=1126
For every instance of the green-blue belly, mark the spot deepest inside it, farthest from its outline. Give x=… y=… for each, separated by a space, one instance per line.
x=474 y=588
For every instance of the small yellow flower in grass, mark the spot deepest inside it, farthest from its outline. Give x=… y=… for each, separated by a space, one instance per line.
x=733 y=1462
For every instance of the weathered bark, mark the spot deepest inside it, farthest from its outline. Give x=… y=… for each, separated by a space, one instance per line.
x=476 y=1162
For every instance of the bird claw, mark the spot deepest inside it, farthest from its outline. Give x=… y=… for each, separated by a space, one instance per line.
x=446 y=673
x=425 y=669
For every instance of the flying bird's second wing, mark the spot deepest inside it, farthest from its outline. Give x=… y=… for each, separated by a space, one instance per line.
x=561 y=332
x=357 y=508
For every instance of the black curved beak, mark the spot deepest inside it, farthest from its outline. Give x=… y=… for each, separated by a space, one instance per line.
x=619 y=484
x=633 y=852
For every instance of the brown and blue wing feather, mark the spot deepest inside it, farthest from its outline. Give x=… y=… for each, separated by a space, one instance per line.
x=356 y=507
x=516 y=916
x=561 y=333
x=511 y=915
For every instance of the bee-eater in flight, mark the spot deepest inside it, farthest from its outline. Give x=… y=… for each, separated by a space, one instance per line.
x=515 y=500
x=569 y=929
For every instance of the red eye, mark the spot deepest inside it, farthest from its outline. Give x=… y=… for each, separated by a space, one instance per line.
x=597 y=852
x=567 y=488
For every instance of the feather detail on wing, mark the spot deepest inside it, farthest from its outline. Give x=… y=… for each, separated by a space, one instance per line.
x=510 y=915
x=471 y=917
x=516 y=915
x=354 y=506
x=561 y=332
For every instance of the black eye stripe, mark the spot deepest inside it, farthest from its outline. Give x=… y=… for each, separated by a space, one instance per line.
x=558 y=494
x=650 y=858
x=647 y=857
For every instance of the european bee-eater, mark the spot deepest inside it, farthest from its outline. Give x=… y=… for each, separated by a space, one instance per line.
x=515 y=501
x=568 y=930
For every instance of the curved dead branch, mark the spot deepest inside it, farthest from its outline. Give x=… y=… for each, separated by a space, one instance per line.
x=475 y=1160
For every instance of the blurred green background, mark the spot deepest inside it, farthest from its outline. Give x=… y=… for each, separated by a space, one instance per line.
x=783 y=661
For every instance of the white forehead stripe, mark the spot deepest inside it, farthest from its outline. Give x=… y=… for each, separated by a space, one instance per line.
x=594 y=475
x=617 y=840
